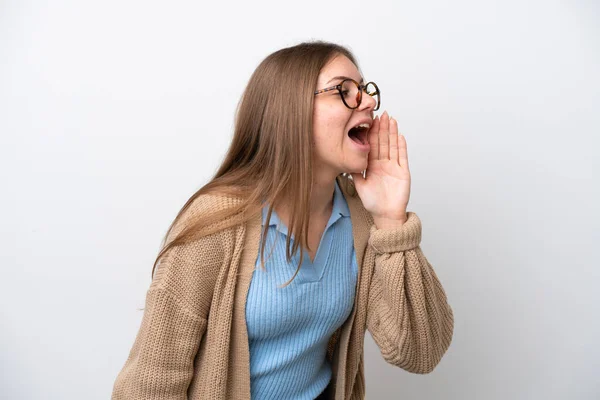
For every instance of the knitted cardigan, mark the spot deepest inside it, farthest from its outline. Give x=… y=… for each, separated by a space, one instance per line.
x=193 y=342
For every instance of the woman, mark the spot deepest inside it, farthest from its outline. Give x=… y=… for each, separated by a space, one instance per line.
x=222 y=321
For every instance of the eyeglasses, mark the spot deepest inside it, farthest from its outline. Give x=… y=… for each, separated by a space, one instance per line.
x=351 y=92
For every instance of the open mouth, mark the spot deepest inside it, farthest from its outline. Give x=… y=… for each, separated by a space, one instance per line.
x=359 y=135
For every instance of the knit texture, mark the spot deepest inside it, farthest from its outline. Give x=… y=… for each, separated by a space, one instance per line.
x=289 y=328
x=193 y=340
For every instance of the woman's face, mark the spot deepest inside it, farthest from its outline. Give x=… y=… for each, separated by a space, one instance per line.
x=334 y=151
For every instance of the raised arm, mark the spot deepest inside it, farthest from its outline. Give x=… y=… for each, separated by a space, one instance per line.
x=408 y=313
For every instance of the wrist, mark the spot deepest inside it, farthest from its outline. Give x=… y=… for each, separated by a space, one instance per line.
x=390 y=223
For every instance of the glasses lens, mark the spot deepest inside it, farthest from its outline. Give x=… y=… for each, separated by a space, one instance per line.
x=350 y=93
x=373 y=91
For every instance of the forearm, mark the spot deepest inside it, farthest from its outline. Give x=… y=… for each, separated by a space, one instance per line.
x=408 y=315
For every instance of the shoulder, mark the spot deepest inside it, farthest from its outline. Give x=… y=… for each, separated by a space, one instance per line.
x=189 y=269
x=208 y=212
x=201 y=227
x=206 y=205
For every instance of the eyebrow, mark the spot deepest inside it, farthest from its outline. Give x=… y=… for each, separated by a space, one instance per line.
x=344 y=77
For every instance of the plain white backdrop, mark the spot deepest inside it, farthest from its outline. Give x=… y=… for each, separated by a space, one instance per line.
x=113 y=113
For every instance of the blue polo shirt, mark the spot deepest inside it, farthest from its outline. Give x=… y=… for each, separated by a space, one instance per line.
x=289 y=328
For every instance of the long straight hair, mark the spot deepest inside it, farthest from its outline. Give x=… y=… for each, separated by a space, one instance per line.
x=270 y=157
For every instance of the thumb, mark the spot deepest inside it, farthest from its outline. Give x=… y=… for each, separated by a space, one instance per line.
x=358 y=178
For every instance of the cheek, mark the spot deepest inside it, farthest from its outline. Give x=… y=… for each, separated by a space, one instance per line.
x=329 y=127
x=328 y=137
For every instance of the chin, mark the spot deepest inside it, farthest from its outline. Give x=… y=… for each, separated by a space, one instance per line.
x=357 y=169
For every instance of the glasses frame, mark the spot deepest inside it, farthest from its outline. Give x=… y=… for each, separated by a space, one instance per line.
x=361 y=88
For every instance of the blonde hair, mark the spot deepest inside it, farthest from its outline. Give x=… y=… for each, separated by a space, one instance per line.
x=270 y=156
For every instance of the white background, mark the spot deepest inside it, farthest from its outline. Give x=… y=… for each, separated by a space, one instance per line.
x=113 y=113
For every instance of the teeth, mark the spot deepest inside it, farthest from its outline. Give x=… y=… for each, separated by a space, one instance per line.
x=365 y=125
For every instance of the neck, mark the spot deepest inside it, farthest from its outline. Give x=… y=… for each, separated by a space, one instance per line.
x=321 y=201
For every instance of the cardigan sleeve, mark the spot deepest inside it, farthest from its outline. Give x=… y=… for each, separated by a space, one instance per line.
x=160 y=363
x=408 y=314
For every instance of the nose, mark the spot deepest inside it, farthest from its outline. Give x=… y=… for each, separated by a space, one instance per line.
x=368 y=102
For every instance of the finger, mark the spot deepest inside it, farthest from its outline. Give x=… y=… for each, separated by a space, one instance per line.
x=393 y=140
x=402 y=152
x=374 y=139
x=384 y=137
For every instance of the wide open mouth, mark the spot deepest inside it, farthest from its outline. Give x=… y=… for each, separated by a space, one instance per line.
x=359 y=135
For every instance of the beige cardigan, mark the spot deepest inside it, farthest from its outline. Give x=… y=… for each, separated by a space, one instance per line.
x=193 y=342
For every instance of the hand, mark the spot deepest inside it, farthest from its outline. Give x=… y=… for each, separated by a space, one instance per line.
x=386 y=189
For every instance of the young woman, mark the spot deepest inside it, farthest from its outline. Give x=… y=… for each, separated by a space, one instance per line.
x=225 y=320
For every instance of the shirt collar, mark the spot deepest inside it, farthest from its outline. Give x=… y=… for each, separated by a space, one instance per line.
x=340 y=209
